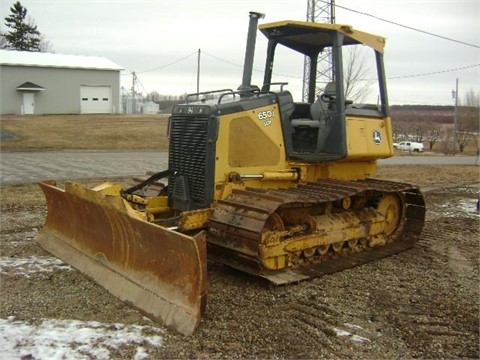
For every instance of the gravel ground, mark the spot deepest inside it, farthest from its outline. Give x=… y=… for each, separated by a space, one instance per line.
x=422 y=303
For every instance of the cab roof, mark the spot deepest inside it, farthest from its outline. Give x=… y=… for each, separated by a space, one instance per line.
x=308 y=37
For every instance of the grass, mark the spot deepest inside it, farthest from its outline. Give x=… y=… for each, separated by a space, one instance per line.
x=16 y=196
x=85 y=132
x=99 y=132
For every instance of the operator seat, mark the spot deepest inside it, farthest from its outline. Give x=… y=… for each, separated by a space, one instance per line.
x=329 y=95
x=330 y=89
x=316 y=111
x=327 y=107
x=314 y=121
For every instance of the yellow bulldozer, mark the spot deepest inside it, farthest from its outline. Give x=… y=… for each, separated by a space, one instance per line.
x=275 y=188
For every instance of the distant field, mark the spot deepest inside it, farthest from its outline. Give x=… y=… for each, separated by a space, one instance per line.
x=85 y=132
x=98 y=132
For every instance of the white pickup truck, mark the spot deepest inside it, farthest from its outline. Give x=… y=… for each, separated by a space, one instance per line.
x=409 y=146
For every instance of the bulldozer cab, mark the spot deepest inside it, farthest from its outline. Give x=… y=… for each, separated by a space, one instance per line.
x=315 y=130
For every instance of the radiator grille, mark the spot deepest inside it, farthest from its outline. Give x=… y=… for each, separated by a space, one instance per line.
x=190 y=162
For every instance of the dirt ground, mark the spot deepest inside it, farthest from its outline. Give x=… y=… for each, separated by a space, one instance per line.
x=422 y=303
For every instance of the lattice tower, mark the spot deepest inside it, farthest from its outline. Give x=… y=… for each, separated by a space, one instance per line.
x=324 y=12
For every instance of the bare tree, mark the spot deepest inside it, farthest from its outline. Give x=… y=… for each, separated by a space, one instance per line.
x=468 y=121
x=472 y=99
x=463 y=139
x=433 y=135
x=447 y=146
x=45 y=46
x=401 y=131
x=357 y=79
x=154 y=96
x=418 y=131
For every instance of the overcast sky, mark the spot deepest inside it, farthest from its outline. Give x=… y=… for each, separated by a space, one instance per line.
x=166 y=35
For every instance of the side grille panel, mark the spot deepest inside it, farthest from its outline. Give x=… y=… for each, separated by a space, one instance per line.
x=191 y=161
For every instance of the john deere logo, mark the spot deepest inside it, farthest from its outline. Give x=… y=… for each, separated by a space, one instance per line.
x=377 y=137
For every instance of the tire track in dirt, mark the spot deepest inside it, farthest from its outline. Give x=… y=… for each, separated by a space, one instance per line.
x=314 y=321
x=448 y=249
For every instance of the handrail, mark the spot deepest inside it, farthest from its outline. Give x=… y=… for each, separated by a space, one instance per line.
x=253 y=90
x=227 y=91
x=282 y=84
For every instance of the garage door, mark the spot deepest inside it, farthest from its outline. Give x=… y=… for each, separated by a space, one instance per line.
x=95 y=99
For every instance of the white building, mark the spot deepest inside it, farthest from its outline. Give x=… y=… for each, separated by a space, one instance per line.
x=44 y=83
x=150 y=108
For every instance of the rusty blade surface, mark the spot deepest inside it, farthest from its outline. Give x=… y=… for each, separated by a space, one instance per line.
x=160 y=272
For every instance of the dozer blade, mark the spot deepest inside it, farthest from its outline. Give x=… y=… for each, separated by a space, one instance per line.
x=160 y=272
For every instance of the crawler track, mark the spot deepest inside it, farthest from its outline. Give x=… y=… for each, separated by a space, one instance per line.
x=244 y=224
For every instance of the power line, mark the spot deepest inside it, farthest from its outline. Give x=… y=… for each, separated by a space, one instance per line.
x=298 y=77
x=408 y=27
x=143 y=87
x=389 y=78
x=388 y=21
x=241 y=66
x=169 y=64
x=222 y=60
x=433 y=72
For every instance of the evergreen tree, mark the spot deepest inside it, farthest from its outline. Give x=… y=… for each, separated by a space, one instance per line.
x=23 y=34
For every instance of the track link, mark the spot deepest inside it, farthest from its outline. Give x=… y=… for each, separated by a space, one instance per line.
x=245 y=223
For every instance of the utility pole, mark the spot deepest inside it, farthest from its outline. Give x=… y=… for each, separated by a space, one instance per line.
x=198 y=73
x=134 y=83
x=455 y=115
x=323 y=12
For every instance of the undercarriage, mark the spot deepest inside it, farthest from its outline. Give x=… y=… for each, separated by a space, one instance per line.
x=287 y=235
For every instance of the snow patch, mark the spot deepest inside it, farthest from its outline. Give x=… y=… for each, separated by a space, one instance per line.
x=351 y=326
x=358 y=338
x=353 y=337
x=461 y=208
x=341 y=332
x=73 y=339
x=31 y=265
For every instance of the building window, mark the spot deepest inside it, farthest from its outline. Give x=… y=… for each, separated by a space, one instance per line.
x=84 y=99
x=105 y=99
x=95 y=99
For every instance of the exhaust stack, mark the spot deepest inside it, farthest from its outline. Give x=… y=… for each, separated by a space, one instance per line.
x=250 y=51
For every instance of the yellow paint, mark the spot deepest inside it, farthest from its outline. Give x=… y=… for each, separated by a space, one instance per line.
x=235 y=150
x=108 y=188
x=330 y=229
x=360 y=138
x=374 y=41
x=251 y=143
x=196 y=219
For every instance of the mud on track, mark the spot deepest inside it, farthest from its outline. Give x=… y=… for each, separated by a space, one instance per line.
x=421 y=303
